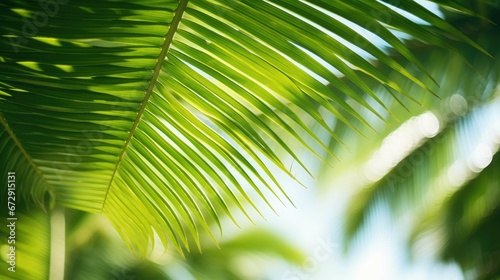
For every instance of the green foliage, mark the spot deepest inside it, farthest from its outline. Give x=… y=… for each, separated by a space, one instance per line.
x=162 y=115
x=446 y=181
x=118 y=107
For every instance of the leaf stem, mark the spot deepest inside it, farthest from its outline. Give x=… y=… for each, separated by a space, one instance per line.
x=169 y=37
x=57 y=244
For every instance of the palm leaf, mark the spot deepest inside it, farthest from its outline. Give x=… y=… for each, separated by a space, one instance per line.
x=160 y=132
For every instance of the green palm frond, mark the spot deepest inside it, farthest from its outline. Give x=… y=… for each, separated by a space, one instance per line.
x=150 y=111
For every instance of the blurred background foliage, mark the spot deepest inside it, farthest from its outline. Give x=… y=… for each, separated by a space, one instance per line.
x=435 y=170
x=445 y=186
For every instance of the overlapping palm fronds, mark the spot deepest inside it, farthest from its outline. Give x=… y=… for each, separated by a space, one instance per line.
x=448 y=182
x=150 y=111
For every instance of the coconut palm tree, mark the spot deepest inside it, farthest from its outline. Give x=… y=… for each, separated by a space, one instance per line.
x=167 y=116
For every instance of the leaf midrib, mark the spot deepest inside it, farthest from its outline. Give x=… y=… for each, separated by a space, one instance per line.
x=174 y=25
